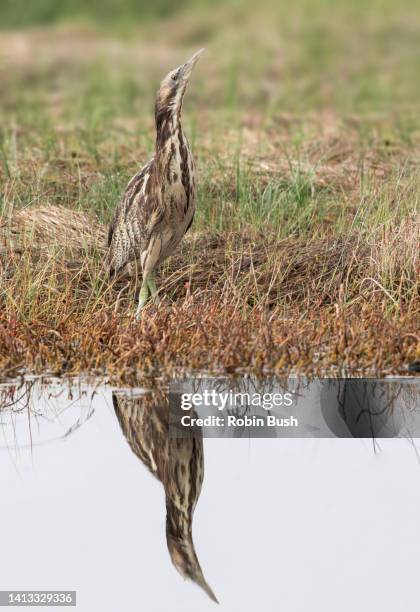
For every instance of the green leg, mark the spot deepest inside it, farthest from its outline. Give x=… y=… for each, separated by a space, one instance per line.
x=151 y=283
x=143 y=297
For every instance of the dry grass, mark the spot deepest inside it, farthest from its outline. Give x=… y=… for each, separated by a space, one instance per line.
x=232 y=303
x=40 y=231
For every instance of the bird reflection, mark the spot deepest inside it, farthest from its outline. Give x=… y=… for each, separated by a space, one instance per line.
x=179 y=465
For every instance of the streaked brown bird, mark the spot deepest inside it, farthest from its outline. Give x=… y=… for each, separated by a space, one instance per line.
x=158 y=205
x=179 y=465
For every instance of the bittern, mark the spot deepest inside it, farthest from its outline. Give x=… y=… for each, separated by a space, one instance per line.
x=158 y=205
x=179 y=465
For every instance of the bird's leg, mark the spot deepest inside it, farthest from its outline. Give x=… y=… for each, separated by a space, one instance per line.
x=151 y=283
x=149 y=261
x=143 y=297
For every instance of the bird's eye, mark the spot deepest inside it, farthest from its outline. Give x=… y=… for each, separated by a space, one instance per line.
x=174 y=76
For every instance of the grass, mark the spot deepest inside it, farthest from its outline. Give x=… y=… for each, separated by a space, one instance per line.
x=304 y=252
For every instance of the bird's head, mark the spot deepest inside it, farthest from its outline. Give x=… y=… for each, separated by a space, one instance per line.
x=171 y=91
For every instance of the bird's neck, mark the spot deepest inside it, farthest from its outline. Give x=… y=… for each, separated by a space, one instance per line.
x=179 y=538
x=168 y=129
x=172 y=166
x=181 y=547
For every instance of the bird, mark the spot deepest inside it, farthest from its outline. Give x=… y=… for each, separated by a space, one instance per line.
x=178 y=463
x=158 y=205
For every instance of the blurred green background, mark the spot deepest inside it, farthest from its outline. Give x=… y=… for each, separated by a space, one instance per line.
x=286 y=91
x=293 y=54
x=18 y=13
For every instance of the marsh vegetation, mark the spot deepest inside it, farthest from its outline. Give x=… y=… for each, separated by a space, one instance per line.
x=303 y=255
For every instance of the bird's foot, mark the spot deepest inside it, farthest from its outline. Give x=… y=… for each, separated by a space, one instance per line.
x=143 y=297
x=151 y=283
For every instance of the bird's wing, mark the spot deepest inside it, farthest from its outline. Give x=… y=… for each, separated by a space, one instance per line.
x=136 y=215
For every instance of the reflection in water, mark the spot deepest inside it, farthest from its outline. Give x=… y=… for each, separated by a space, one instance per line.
x=177 y=463
x=365 y=408
x=322 y=408
x=36 y=413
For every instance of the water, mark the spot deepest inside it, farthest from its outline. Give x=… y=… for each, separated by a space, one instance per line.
x=292 y=524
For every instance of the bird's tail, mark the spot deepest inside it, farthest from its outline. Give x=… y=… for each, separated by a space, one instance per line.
x=182 y=551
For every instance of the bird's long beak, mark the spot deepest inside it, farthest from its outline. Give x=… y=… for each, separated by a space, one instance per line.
x=201 y=581
x=187 y=68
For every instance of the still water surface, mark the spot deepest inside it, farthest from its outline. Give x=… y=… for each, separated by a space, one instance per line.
x=290 y=524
